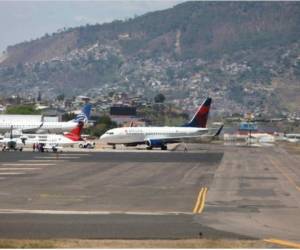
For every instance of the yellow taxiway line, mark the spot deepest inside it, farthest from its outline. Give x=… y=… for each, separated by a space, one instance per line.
x=285 y=243
x=200 y=201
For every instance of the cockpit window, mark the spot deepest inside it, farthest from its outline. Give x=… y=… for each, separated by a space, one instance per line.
x=110 y=133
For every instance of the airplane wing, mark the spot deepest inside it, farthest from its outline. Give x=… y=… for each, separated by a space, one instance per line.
x=172 y=139
x=33 y=130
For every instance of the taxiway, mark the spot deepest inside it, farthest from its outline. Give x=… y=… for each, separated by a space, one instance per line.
x=215 y=192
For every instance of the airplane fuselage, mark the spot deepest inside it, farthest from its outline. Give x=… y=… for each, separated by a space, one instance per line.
x=50 y=127
x=140 y=135
x=48 y=139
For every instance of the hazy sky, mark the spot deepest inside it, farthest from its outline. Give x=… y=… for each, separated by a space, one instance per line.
x=25 y=20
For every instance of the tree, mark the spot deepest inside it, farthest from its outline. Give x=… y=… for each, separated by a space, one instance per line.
x=22 y=110
x=60 y=97
x=68 y=116
x=101 y=125
x=159 y=98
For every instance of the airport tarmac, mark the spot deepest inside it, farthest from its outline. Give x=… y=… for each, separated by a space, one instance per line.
x=210 y=192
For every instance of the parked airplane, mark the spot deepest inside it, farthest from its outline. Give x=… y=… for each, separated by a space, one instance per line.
x=292 y=137
x=160 y=136
x=12 y=143
x=45 y=127
x=55 y=141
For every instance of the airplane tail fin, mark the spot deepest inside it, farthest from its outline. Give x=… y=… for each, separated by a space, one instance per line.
x=200 y=118
x=75 y=134
x=84 y=115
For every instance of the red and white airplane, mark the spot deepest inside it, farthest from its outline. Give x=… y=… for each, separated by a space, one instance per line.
x=161 y=136
x=53 y=142
x=56 y=142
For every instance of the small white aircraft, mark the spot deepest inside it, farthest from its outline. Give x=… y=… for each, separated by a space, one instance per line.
x=160 y=136
x=45 y=127
x=12 y=142
x=292 y=138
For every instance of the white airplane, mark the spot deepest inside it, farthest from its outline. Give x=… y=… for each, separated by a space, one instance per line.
x=11 y=142
x=292 y=137
x=160 y=136
x=54 y=141
x=45 y=127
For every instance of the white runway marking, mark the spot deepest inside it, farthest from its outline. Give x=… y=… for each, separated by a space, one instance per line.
x=23 y=211
x=59 y=157
x=28 y=164
x=41 y=160
x=75 y=154
x=12 y=173
x=5 y=169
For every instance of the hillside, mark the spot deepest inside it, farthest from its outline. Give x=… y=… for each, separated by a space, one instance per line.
x=246 y=55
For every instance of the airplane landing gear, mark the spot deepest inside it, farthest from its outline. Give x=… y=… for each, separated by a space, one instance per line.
x=164 y=147
x=114 y=146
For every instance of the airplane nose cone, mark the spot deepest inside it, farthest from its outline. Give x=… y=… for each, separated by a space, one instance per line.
x=102 y=137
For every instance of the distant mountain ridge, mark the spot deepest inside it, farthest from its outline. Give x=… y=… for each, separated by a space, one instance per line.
x=244 y=54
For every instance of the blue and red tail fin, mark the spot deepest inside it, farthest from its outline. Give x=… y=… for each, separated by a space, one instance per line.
x=199 y=120
x=75 y=133
x=84 y=115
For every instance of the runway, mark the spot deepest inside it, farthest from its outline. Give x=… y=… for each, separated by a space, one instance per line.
x=106 y=181
x=217 y=192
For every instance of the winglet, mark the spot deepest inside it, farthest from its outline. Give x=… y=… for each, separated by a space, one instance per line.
x=219 y=131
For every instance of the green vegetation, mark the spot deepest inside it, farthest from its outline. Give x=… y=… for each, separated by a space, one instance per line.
x=22 y=110
x=68 y=116
x=60 y=97
x=163 y=115
x=159 y=98
x=102 y=124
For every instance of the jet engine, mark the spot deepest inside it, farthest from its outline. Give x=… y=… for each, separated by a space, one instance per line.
x=154 y=143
